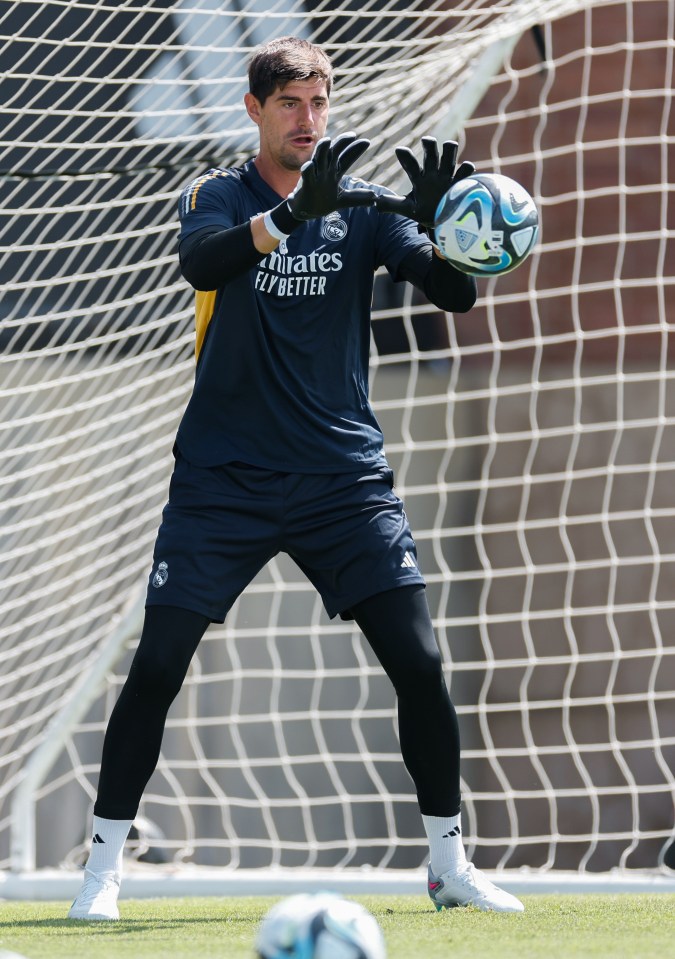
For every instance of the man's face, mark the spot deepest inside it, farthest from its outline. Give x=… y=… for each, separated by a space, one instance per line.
x=291 y=121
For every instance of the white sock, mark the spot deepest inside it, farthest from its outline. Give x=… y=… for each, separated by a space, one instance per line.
x=446 y=848
x=107 y=844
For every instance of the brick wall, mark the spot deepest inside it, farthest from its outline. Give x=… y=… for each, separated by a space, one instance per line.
x=604 y=132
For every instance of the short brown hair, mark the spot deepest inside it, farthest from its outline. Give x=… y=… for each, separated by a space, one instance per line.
x=286 y=59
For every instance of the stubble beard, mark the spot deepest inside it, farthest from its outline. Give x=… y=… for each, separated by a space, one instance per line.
x=288 y=158
x=289 y=161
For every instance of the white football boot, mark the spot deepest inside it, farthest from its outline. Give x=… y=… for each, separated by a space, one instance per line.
x=470 y=887
x=97 y=898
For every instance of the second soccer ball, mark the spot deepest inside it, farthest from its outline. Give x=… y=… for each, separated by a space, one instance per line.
x=319 y=926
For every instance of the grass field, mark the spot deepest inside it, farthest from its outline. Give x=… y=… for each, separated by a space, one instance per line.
x=552 y=927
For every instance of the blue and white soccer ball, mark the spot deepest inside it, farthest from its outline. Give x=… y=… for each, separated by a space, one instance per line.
x=486 y=224
x=319 y=926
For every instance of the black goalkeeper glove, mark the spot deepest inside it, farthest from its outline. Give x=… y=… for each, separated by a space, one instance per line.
x=319 y=191
x=430 y=182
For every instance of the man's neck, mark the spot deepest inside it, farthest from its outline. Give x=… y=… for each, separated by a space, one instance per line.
x=281 y=180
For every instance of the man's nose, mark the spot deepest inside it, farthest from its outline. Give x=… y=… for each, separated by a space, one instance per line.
x=306 y=115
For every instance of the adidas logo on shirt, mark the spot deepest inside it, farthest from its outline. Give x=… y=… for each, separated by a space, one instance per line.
x=408 y=561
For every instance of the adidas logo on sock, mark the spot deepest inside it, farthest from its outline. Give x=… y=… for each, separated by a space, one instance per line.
x=453 y=832
x=97 y=838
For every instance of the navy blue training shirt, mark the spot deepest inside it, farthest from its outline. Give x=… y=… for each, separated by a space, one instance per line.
x=283 y=349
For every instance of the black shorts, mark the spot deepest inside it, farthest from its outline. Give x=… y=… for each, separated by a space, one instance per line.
x=348 y=533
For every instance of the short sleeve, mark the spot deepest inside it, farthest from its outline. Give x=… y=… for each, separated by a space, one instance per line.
x=398 y=238
x=391 y=238
x=208 y=202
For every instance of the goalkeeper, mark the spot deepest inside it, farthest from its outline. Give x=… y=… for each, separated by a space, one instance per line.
x=279 y=450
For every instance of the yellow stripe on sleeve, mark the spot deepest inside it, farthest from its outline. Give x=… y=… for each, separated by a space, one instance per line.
x=198 y=183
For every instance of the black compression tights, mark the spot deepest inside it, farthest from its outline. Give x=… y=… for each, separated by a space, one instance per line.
x=397 y=626
x=134 y=735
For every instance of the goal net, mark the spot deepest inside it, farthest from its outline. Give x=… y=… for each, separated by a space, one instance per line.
x=532 y=439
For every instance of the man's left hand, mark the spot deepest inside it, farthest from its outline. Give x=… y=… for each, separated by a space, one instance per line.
x=430 y=182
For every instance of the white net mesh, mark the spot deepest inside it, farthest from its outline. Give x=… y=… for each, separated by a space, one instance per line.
x=532 y=439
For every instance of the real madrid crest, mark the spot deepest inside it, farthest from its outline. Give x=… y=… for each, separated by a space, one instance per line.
x=161 y=575
x=333 y=227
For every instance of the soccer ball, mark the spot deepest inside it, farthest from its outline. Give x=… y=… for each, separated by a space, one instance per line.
x=486 y=224
x=319 y=926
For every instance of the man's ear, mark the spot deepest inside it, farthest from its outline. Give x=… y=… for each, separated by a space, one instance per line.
x=252 y=105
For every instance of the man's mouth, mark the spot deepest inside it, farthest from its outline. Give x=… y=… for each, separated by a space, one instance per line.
x=303 y=140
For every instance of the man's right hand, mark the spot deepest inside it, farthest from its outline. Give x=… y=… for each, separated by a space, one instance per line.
x=319 y=191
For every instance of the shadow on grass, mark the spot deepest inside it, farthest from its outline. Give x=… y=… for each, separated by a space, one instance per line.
x=121 y=925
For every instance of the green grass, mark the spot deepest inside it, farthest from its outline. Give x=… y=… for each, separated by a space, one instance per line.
x=552 y=927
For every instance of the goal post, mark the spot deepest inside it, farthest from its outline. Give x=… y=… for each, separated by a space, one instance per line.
x=125 y=629
x=533 y=440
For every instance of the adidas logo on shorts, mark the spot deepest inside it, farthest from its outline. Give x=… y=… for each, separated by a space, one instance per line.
x=408 y=561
